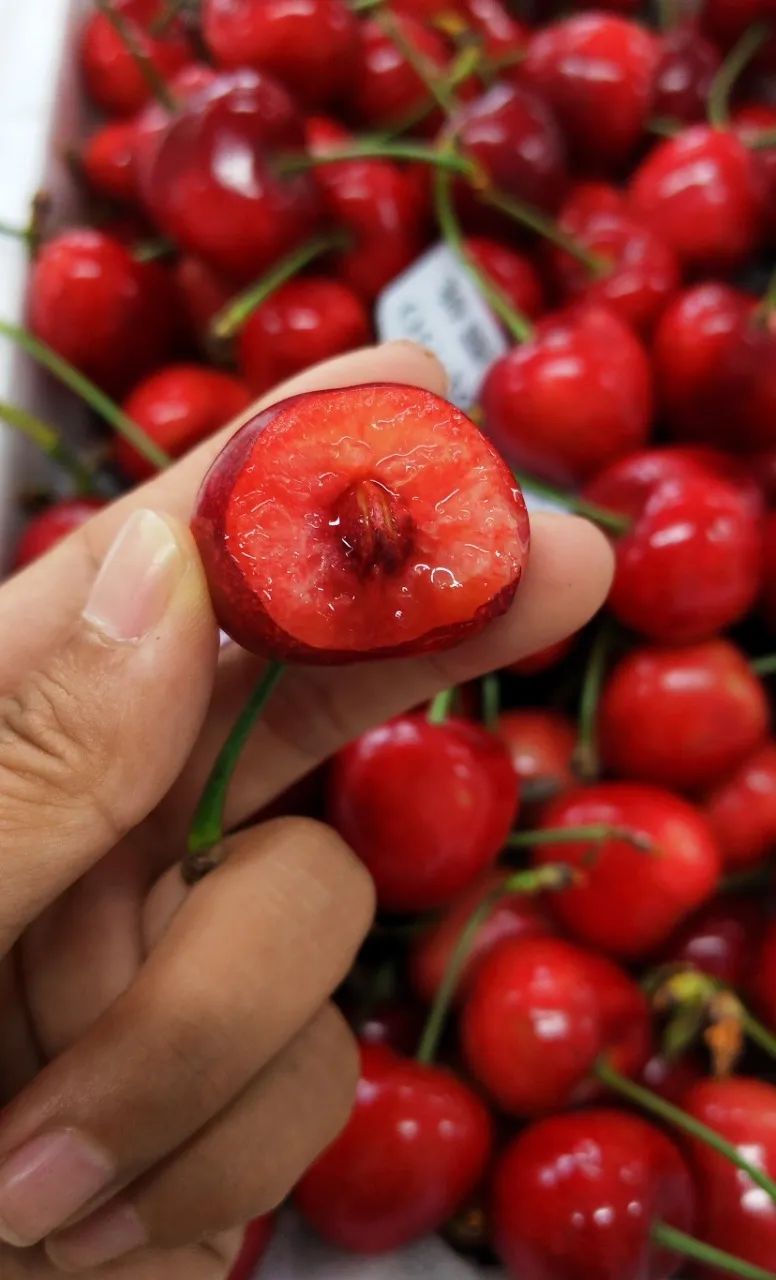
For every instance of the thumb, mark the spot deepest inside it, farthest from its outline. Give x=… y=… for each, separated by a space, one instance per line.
x=92 y=740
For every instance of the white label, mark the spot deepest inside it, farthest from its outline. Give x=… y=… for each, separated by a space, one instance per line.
x=437 y=303
x=535 y=501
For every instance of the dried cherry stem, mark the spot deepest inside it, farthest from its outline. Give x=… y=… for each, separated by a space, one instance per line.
x=51 y=443
x=534 y=220
x=543 y=879
x=437 y=85
x=734 y=64
x=612 y=521
x=88 y=391
x=441 y=706
x=490 y=688
x=595 y=833
x=586 y=758
x=765 y=665
x=678 y=1119
x=134 y=46
x=207 y=828
x=379 y=148
x=237 y=311
x=677 y=1241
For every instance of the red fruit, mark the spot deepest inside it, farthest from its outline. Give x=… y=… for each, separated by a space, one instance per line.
x=45 y=530
x=763 y=977
x=177 y=407
x=210 y=183
x=629 y=900
x=597 y=72
x=540 y=743
x=699 y=193
x=113 y=77
x=403 y=527
x=720 y=940
x=255 y=1245
x=513 y=272
x=574 y=397
x=516 y=915
x=670 y=1077
x=503 y=38
x=750 y=122
x=769 y=571
x=727 y=20
x=152 y=122
x=108 y=161
x=544 y=660
x=575 y=1197
x=109 y=315
x=734 y=1214
x=385 y=89
x=393 y=1023
x=203 y=293
x=686 y=68
x=414 y=1148
x=303 y=322
x=539 y=1014
x=742 y=810
x=682 y=717
x=426 y=807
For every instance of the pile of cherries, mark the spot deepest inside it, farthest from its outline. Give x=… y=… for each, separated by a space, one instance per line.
x=567 y=1007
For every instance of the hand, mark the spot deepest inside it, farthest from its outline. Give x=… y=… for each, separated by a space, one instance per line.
x=170 y=1059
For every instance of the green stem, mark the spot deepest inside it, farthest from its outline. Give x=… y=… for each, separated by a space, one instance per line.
x=378 y=148
x=518 y=325
x=767 y=307
x=762 y=141
x=765 y=665
x=437 y=85
x=527 y=216
x=595 y=833
x=677 y=1241
x=586 y=758
x=467 y=61
x=734 y=64
x=231 y=319
x=146 y=65
x=491 y=701
x=49 y=442
x=667 y=16
x=612 y=521
x=678 y=1119
x=15 y=233
x=153 y=250
x=365 y=6
x=757 y=1033
x=88 y=392
x=441 y=706
x=664 y=126
x=207 y=828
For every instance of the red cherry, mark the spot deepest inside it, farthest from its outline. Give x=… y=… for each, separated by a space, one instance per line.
x=735 y=1215
x=177 y=407
x=544 y=660
x=108 y=161
x=255 y=1244
x=516 y=915
x=539 y=1014
x=768 y=601
x=385 y=89
x=153 y=120
x=597 y=72
x=686 y=68
x=671 y=1077
x=682 y=717
x=113 y=78
x=202 y=293
x=45 y=530
x=763 y=976
x=404 y=527
x=727 y=20
x=513 y=272
x=540 y=743
x=572 y=398
x=414 y=1149
x=750 y=122
x=208 y=179
x=303 y=322
x=629 y=901
x=109 y=315
x=575 y=1196
x=503 y=38
x=720 y=940
x=639 y=474
x=742 y=810
x=427 y=807
x=699 y=193
x=393 y=1023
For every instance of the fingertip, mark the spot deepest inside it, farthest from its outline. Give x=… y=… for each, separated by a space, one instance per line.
x=575 y=560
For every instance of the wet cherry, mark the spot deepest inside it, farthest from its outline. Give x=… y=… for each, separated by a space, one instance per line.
x=742 y=810
x=113 y=78
x=50 y=526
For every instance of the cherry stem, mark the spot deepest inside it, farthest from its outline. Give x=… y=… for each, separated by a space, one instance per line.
x=463 y=65
x=441 y=706
x=528 y=216
x=677 y=1241
x=437 y=85
x=491 y=701
x=678 y=1119
x=734 y=64
x=167 y=16
x=153 y=250
x=518 y=325
x=664 y=126
x=595 y=833
x=667 y=15
x=134 y=46
x=613 y=521
x=379 y=148
x=767 y=305
x=87 y=391
x=765 y=665
x=237 y=311
x=762 y=141
x=587 y=762
x=49 y=442
x=756 y=1032
x=207 y=827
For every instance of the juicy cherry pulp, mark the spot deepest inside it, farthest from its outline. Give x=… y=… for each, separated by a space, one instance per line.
x=359 y=522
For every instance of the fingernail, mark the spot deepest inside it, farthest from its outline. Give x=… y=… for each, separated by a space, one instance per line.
x=45 y=1182
x=111 y=1233
x=137 y=579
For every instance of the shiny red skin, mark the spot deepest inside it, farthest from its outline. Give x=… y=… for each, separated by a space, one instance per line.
x=630 y=901
x=109 y=315
x=681 y=717
x=749 y=123
x=686 y=68
x=544 y=660
x=513 y=272
x=597 y=72
x=108 y=161
x=538 y=1015
x=303 y=322
x=153 y=120
x=516 y=915
x=415 y=1147
x=720 y=940
x=690 y=564
x=202 y=293
x=540 y=743
x=768 y=601
x=639 y=474
x=671 y=1078
x=45 y=530
x=573 y=398
x=255 y=1244
x=727 y=20
x=575 y=1196
x=384 y=88
x=763 y=978
x=426 y=808
x=113 y=78
x=177 y=407
x=733 y=1214
x=396 y=1024
x=502 y=36
x=310 y=46
x=742 y=810
x=699 y=192
x=238 y=228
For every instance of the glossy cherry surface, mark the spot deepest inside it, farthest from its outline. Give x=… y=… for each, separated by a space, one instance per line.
x=385 y=88
x=108 y=161
x=742 y=809
x=686 y=68
x=540 y=742
x=513 y=272
x=50 y=526
x=721 y=940
x=113 y=78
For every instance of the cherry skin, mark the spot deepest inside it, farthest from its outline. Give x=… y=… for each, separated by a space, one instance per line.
x=536 y=663
x=538 y=1015
x=671 y=1077
x=597 y=72
x=202 y=293
x=177 y=407
x=504 y=39
x=45 y=530
x=113 y=79
x=727 y=20
x=414 y=1149
x=750 y=122
x=303 y=322
x=109 y=315
x=404 y=527
x=572 y=398
x=513 y=273
x=426 y=807
x=394 y=1023
x=742 y=810
x=720 y=940
x=699 y=193
x=540 y=742
x=108 y=161
x=629 y=901
x=152 y=122
x=768 y=601
x=255 y=1244
x=733 y=1214
x=763 y=977
x=681 y=717
x=385 y=89
x=310 y=46
x=684 y=75
x=575 y=1196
